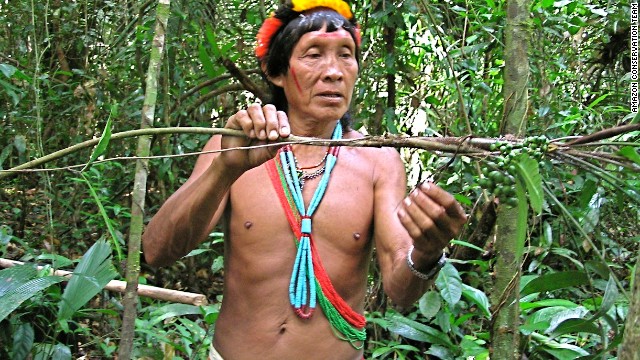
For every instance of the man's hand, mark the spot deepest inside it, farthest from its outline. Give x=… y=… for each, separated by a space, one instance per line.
x=432 y=218
x=262 y=125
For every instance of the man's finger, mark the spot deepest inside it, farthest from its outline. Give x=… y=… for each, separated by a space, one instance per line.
x=283 y=124
x=271 y=122
x=258 y=121
x=444 y=199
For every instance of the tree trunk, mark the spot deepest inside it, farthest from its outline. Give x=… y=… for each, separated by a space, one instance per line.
x=505 y=339
x=140 y=185
x=630 y=348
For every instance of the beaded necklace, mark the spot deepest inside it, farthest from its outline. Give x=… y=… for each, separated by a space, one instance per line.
x=309 y=281
x=302 y=287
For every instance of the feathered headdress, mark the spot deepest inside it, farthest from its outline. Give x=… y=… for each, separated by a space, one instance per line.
x=272 y=24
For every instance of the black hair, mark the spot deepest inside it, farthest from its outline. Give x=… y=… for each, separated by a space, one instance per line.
x=276 y=61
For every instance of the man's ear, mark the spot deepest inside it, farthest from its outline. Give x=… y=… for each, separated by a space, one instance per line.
x=277 y=81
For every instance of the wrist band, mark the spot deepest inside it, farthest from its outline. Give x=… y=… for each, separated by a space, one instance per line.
x=432 y=272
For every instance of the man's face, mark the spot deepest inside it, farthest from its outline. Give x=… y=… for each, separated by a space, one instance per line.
x=321 y=76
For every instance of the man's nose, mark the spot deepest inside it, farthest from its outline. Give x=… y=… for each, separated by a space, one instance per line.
x=332 y=70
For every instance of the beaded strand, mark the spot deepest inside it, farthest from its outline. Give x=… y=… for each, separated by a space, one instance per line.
x=302 y=286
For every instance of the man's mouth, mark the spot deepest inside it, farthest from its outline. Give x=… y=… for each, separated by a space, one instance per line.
x=331 y=95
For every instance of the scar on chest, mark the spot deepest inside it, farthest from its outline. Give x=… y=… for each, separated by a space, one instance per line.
x=248 y=225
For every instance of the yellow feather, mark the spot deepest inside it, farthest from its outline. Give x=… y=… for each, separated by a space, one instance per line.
x=340 y=6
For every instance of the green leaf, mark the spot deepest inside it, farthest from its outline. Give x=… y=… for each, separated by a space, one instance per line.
x=547 y=303
x=555 y=281
x=103 y=143
x=52 y=352
x=14 y=298
x=575 y=325
x=630 y=153
x=597 y=101
x=205 y=59
x=105 y=217
x=93 y=272
x=565 y=351
x=22 y=341
x=57 y=261
x=547 y=3
x=561 y=316
x=609 y=298
x=13 y=91
x=173 y=310
x=477 y=297
x=414 y=330
x=429 y=304
x=16 y=276
x=467 y=244
x=450 y=284
x=211 y=38
x=528 y=171
x=7 y=70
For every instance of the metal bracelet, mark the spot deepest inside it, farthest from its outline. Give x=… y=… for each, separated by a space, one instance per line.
x=432 y=272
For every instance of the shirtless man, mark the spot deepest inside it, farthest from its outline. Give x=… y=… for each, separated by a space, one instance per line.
x=310 y=55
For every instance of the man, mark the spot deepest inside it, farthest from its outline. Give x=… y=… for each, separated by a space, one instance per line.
x=302 y=221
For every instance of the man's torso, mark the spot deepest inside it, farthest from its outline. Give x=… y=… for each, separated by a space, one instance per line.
x=256 y=318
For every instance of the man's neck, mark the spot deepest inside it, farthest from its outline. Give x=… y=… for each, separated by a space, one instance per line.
x=322 y=130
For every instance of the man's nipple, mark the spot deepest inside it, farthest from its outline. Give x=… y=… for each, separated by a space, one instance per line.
x=248 y=225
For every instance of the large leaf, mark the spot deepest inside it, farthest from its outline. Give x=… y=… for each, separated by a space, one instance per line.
x=558 y=350
x=564 y=315
x=528 y=171
x=630 y=153
x=450 y=284
x=93 y=272
x=609 y=298
x=429 y=304
x=173 y=310
x=52 y=352
x=546 y=303
x=22 y=341
x=15 y=277
x=12 y=299
x=575 y=325
x=477 y=297
x=555 y=281
x=414 y=330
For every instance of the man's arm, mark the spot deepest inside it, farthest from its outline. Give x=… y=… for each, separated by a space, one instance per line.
x=428 y=218
x=187 y=217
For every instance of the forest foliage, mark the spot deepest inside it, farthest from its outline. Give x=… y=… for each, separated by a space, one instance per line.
x=72 y=71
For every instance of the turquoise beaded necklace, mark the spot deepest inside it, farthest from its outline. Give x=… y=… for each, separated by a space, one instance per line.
x=302 y=286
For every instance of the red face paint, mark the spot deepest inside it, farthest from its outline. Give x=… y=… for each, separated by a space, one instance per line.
x=295 y=79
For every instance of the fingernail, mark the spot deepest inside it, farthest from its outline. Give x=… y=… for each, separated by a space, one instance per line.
x=425 y=186
x=401 y=213
x=263 y=134
x=252 y=134
x=273 y=134
x=407 y=202
x=285 y=131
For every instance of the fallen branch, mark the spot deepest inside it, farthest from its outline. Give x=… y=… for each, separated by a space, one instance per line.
x=153 y=292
